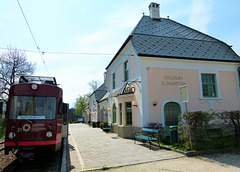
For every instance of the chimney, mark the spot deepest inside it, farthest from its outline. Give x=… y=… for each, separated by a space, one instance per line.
x=154 y=10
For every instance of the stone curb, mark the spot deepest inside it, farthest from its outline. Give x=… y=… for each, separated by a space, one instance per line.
x=201 y=152
x=130 y=164
x=64 y=156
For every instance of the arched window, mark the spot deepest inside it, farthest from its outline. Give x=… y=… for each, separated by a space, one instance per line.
x=114 y=111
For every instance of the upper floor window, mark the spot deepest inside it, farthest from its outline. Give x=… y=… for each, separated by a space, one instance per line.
x=113 y=81
x=209 y=85
x=126 y=71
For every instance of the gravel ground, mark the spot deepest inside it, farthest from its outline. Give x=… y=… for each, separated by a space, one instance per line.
x=5 y=160
x=216 y=162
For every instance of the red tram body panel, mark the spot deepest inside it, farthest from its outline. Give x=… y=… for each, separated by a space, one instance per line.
x=34 y=115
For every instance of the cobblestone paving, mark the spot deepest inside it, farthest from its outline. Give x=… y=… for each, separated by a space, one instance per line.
x=91 y=148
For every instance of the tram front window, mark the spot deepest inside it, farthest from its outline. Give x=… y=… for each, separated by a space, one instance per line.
x=32 y=107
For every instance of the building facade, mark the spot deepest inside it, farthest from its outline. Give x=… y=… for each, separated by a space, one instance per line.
x=159 y=56
x=95 y=111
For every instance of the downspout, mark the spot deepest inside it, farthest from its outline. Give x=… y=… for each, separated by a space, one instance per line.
x=239 y=84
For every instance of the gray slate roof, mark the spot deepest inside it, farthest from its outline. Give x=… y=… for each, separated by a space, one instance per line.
x=100 y=92
x=167 y=38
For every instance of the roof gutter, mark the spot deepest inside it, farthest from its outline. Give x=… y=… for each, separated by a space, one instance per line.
x=188 y=58
x=121 y=48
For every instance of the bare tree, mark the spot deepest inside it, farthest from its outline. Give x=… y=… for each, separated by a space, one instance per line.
x=13 y=63
x=94 y=84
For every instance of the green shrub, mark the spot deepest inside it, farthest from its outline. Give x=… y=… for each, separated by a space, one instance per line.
x=193 y=127
x=231 y=120
x=94 y=124
x=154 y=125
x=104 y=124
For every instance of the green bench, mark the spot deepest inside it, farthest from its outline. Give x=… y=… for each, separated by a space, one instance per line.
x=149 y=135
x=108 y=128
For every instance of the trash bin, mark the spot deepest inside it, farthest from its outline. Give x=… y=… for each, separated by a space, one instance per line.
x=173 y=134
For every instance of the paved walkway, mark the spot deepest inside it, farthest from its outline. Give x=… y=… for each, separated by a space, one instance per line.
x=91 y=148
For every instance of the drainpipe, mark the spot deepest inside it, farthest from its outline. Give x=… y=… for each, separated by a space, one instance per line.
x=239 y=74
x=239 y=84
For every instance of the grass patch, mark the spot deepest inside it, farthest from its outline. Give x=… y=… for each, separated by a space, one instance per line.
x=217 y=143
x=210 y=144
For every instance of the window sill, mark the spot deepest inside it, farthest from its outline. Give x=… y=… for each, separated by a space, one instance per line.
x=211 y=98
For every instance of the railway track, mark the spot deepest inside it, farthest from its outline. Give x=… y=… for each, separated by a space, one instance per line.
x=1 y=146
x=43 y=161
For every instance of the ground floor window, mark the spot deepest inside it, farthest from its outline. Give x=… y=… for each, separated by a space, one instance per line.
x=120 y=106
x=128 y=113
x=114 y=111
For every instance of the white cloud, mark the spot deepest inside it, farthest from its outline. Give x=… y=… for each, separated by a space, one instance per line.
x=201 y=15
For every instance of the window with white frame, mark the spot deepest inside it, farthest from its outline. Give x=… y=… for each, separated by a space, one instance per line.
x=126 y=71
x=113 y=81
x=209 y=85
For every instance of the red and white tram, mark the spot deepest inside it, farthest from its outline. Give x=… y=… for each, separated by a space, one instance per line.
x=36 y=115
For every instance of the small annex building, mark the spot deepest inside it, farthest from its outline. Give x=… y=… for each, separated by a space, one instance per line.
x=158 y=57
x=95 y=111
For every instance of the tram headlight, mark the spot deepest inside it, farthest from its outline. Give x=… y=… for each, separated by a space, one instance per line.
x=34 y=86
x=49 y=134
x=11 y=135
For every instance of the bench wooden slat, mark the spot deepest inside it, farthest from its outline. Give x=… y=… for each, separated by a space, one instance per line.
x=148 y=134
x=150 y=130
x=142 y=137
x=107 y=128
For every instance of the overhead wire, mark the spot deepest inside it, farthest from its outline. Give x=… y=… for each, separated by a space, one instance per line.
x=39 y=51
x=70 y=53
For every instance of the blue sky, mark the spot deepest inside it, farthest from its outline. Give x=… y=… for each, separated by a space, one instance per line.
x=100 y=27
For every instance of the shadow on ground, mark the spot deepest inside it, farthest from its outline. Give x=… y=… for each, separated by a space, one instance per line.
x=232 y=159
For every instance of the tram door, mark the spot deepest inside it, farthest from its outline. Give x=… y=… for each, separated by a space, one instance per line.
x=171 y=114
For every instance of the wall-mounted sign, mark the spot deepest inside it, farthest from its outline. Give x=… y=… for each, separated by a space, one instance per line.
x=127 y=89
x=184 y=93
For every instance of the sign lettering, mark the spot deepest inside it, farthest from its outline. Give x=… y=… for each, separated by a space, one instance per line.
x=173 y=80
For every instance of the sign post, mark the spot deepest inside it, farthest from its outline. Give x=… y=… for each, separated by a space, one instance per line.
x=184 y=95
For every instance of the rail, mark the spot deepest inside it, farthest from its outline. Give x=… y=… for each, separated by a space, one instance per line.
x=1 y=149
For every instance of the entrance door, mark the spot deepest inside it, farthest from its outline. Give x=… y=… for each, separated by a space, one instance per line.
x=171 y=114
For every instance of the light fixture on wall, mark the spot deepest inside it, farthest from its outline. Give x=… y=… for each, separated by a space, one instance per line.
x=134 y=103
x=117 y=107
x=108 y=109
x=155 y=102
